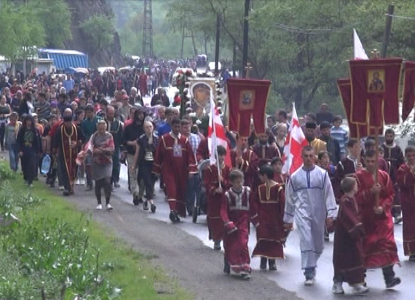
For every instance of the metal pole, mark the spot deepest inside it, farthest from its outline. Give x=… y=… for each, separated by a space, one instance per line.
x=387 y=32
x=245 y=42
x=217 y=44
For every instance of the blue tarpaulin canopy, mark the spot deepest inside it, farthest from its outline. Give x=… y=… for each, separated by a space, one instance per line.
x=64 y=59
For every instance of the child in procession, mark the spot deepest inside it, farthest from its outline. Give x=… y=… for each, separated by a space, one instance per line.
x=269 y=203
x=235 y=213
x=348 y=252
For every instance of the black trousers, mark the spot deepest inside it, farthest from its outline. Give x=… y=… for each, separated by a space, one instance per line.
x=2 y=134
x=28 y=167
x=103 y=183
x=145 y=173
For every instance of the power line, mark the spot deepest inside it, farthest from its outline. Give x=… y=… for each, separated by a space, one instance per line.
x=316 y=31
x=400 y=17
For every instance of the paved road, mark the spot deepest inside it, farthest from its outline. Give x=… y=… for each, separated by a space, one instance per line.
x=289 y=275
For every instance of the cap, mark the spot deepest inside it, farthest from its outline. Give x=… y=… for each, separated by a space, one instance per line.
x=324 y=125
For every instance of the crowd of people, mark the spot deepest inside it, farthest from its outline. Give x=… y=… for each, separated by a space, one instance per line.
x=339 y=188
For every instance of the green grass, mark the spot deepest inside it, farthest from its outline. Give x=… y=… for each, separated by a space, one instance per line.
x=133 y=272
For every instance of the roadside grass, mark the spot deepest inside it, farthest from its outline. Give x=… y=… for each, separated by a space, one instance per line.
x=128 y=270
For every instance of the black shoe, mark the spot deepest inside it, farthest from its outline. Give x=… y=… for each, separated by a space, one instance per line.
x=226 y=267
x=67 y=193
x=47 y=180
x=216 y=246
x=140 y=200
x=263 y=265
x=174 y=218
x=412 y=258
x=272 y=265
x=153 y=208
x=145 y=205
x=135 y=200
x=393 y=282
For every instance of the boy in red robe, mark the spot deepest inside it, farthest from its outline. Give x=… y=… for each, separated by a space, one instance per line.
x=276 y=164
x=348 y=253
x=174 y=159
x=216 y=183
x=269 y=202
x=375 y=204
x=235 y=213
x=406 y=182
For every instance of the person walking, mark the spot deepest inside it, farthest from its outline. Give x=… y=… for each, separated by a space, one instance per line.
x=144 y=157
x=102 y=145
x=29 y=145
x=310 y=201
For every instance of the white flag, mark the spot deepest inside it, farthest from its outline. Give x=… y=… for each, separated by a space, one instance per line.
x=359 y=51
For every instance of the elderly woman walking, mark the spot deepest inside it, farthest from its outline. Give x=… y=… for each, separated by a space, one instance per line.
x=102 y=146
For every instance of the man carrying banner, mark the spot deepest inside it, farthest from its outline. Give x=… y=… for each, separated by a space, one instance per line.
x=375 y=203
x=245 y=160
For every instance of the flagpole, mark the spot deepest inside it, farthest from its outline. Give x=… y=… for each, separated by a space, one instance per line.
x=214 y=137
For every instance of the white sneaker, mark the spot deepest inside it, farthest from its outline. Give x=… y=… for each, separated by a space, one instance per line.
x=99 y=207
x=109 y=207
x=82 y=181
x=337 y=288
x=61 y=188
x=359 y=289
x=77 y=182
x=309 y=282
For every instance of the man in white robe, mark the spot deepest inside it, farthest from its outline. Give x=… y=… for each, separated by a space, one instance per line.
x=310 y=202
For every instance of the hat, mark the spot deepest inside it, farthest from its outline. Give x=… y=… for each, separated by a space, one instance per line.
x=311 y=125
x=324 y=125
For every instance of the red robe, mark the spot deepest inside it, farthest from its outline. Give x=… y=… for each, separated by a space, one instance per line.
x=406 y=182
x=214 y=200
x=269 y=204
x=348 y=252
x=68 y=154
x=202 y=151
x=249 y=165
x=379 y=244
x=174 y=159
x=143 y=84
x=235 y=213
x=265 y=154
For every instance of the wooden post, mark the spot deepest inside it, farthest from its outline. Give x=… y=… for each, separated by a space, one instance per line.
x=218 y=20
x=247 y=69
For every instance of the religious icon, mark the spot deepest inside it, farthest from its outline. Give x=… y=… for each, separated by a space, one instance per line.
x=376 y=79
x=201 y=89
x=247 y=99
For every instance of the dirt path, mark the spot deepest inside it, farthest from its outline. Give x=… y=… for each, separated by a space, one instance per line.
x=197 y=268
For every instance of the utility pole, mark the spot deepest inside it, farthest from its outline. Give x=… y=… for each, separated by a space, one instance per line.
x=218 y=20
x=148 y=29
x=387 y=32
x=245 y=42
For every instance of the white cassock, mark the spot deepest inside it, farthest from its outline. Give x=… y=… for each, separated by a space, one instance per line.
x=309 y=201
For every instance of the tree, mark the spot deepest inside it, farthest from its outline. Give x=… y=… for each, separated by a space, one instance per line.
x=99 y=29
x=55 y=17
x=21 y=32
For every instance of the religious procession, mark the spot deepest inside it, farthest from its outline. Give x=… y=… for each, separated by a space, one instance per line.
x=196 y=146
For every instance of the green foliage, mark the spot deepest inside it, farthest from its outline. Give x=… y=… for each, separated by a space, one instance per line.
x=99 y=30
x=20 y=31
x=55 y=18
x=57 y=250
x=5 y=172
